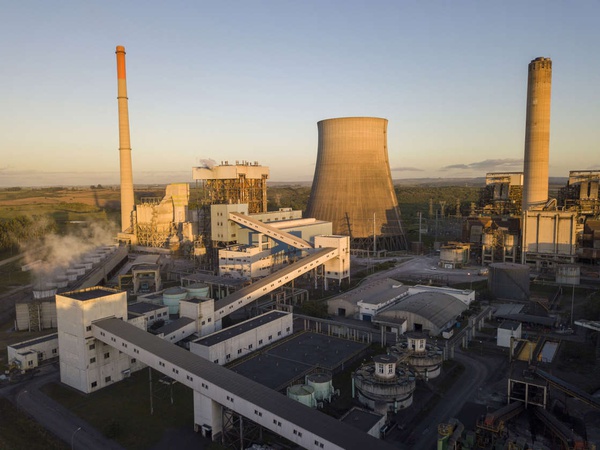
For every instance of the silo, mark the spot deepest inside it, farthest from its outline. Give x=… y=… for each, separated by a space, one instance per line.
x=352 y=185
x=509 y=281
x=197 y=290
x=302 y=393
x=537 y=133
x=322 y=385
x=172 y=297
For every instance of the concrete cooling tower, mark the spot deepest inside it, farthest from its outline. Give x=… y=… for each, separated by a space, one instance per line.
x=352 y=186
x=537 y=134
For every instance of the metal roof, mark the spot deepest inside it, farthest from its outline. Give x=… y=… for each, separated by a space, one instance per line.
x=143 y=307
x=174 y=325
x=361 y=418
x=437 y=307
x=34 y=341
x=89 y=293
x=240 y=328
x=314 y=421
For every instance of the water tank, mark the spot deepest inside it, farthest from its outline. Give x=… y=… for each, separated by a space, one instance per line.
x=509 y=243
x=172 y=297
x=197 y=290
x=302 y=393
x=322 y=385
x=452 y=254
x=568 y=274
x=509 y=281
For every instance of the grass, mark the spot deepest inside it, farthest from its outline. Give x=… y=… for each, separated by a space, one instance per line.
x=21 y=432
x=122 y=411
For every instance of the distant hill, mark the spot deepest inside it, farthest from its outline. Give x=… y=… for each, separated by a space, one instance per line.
x=425 y=182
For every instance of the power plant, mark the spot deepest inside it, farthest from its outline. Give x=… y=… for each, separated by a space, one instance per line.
x=352 y=186
x=236 y=333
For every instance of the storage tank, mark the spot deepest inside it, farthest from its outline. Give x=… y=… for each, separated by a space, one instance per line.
x=509 y=281
x=322 y=385
x=302 y=393
x=487 y=239
x=568 y=274
x=197 y=290
x=172 y=297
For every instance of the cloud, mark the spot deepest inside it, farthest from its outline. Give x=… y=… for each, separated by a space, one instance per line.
x=489 y=164
x=406 y=169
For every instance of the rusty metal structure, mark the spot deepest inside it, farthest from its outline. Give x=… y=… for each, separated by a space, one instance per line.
x=242 y=182
x=352 y=185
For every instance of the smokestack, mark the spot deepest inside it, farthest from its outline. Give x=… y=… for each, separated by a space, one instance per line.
x=537 y=133
x=124 y=145
x=352 y=186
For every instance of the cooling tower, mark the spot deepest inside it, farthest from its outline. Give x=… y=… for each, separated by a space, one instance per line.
x=124 y=145
x=352 y=186
x=537 y=133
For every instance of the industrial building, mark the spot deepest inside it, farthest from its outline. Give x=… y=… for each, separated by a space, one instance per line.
x=352 y=186
x=432 y=311
x=98 y=347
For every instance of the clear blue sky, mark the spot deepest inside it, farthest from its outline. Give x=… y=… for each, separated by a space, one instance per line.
x=235 y=80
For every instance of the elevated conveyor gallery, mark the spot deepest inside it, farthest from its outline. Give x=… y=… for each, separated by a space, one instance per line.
x=567 y=388
x=216 y=387
x=272 y=232
x=248 y=294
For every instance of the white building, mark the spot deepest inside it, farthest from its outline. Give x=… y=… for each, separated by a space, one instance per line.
x=87 y=364
x=202 y=311
x=506 y=331
x=31 y=353
x=151 y=311
x=238 y=340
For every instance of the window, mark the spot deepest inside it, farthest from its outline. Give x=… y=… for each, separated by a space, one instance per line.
x=228 y=357
x=250 y=347
x=239 y=351
x=390 y=369
x=30 y=363
x=124 y=344
x=107 y=379
x=279 y=333
x=133 y=360
x=287 y=329
x=92 y=360
x=160 y=363
x=271 y=337
x=216 y=361
x=92 y=347
x=175 y=371
x=94 y=384
x=107 y=355
x=260 y=342
x=54 y=351
x=88 y=328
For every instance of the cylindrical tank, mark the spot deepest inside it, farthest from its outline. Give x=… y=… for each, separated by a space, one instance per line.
x=537 y=133
x=197 y=290
x=172 y=297
x=61 y=281
x=302 y=393
x=352 y=186
x=509 y=281
x=568 y=274
x=322 y=385
x=451 y=254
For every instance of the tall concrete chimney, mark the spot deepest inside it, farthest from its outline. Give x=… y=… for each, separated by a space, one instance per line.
x=537 y=133
x=124 y=145
x=352 y=185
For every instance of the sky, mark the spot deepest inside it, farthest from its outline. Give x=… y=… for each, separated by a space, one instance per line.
x=249 y=80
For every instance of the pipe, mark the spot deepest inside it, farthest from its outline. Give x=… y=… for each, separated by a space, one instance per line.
x=124 y=145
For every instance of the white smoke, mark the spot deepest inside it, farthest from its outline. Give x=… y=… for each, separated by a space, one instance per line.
x=58 y=252
x=207 y=163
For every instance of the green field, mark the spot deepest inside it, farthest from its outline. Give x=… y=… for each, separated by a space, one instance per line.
x=122 y=411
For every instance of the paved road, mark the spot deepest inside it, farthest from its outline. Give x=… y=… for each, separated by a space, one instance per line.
x=53 y=416
x=464 y=389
